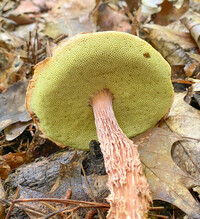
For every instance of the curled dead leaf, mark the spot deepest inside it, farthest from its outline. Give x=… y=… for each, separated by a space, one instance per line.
x=167 y=181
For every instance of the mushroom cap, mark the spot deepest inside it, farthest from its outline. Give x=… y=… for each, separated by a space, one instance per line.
x=58 y=96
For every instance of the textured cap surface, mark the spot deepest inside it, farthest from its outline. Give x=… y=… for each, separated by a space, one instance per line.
x=62 y=86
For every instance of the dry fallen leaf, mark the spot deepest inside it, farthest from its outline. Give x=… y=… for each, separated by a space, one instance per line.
x=169 y=35
x=11 y=161
x=167 y=181
x=23 y=13
x=171 y=11
x=112 y=19
x=185 y=154
x=26 y=7
x=193 y=25
x=5 y=169
x=172 y=44
x=12 y=102
x=54 y=26
x=2 y=196
x=26 y=193
x=11 y=49
x=15 y=159
x=14 y=130
x=184 y=119
x=76 y=14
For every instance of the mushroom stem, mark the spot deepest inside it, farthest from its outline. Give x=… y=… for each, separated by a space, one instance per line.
x=129 y=191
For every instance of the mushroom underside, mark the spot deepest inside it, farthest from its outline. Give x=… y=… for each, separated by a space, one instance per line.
x=63 y=85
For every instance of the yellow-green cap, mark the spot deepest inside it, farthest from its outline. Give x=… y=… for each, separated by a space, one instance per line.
x=136 y=74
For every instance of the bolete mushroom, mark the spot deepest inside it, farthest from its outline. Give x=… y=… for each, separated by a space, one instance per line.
x=85 y=75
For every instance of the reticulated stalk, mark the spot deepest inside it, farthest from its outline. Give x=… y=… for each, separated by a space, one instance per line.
x=129 y=191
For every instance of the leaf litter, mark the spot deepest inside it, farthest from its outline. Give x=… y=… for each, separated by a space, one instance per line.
x=169 y=154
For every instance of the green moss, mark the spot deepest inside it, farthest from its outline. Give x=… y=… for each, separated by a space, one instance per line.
x=135 y=73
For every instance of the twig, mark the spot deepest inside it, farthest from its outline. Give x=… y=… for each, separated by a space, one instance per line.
x=68 y=201
x=24 y=207
x=64 y=210
x=48 y=50
x=12 y=205
x=159 y=216
x=156 y=208
x=60 y=37
x=92 y=194
x=52 y=208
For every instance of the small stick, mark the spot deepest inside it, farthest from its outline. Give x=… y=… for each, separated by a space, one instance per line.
x=159 y=216
x=156 y=208
x=52 y=208
x=64 y=210
x=93 y=197
x=60 y=37
x=12 y=205
x=24 y=207
x=68 y=201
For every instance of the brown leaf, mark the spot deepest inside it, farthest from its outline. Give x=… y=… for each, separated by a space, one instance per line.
x=14 y=130
x=10 y=161
x=25 y=7
x=2 y=206
x=184 y=119
x=14 y=160
x=23 y=13
x=26 y=193
x=112 y=19
x=12 y=107
x=172 y=45
x=192 y=23
x=10 y=58
x=55 y=27
x=76 y=14
x=5 y=169
x=169 y=35
x=132 y=5
x=167 y=181
x=171 y=12
x=74 y=8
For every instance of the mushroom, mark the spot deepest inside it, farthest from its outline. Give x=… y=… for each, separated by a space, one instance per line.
x=75 y=88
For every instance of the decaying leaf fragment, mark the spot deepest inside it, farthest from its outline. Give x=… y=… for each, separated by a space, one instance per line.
x=165 y=33
x=14 y=130
x=76 y=13
x=11 y=49
x=184 y=119
x=12 y=108
x=172 y=45
x=111 y=18
x=10 y=161
x=193 y=25
x=26 y=193
x=167 y=181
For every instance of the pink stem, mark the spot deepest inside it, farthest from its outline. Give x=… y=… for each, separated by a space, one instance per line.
x=130 y=195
